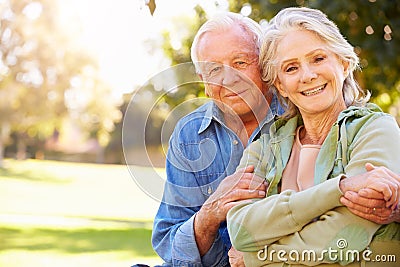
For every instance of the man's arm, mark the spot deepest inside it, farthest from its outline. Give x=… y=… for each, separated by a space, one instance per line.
x=241 y=185
x=183 y=233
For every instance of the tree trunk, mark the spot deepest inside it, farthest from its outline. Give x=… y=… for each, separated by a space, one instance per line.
x=21 y=148
x=4 y=135
x=1 y=153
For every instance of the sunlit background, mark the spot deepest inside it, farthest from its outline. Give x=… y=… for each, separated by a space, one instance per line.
x=69 y=69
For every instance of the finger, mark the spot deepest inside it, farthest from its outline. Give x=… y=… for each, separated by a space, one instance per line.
x=250 y=181
x=383 y=172
x=247 y=169
x=369 y=167
x=370 y=216
x=386 y=188
x=370 y=193
x=357 y=200
x=243 y=194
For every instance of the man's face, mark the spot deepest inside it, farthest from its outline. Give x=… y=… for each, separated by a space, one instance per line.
x=229 y=68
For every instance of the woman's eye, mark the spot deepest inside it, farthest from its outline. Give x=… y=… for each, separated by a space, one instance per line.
x=290 y=69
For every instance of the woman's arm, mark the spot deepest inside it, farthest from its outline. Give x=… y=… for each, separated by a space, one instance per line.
x=253 y=226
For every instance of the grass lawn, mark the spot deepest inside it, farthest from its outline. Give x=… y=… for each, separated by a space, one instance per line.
x=71 y=214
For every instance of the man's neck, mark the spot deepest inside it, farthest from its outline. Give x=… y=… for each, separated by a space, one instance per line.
x=245 y=125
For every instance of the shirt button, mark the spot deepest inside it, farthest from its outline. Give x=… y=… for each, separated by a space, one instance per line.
x=209 y=190
x=235 y=142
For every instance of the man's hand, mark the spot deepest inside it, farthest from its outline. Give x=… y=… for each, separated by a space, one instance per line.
x=376 y=200
x=235 y=258
x=369 y=204
x=380 y=179
x=242 y=185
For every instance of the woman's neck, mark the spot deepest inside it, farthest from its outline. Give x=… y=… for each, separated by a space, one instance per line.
x=317 y=127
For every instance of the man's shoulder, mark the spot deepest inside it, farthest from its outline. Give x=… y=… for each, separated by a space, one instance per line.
x=195 y=117
x=189 y=126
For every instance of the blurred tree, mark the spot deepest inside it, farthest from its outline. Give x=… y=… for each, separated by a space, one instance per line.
x=179 y=53
x=38 y=67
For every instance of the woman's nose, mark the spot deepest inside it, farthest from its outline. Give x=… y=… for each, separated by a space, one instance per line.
x=308 y=74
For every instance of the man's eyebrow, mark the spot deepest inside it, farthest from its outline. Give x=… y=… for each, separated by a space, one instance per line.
x=247 y=56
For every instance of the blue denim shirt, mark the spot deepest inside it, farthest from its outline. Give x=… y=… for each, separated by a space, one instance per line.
x=202 y=151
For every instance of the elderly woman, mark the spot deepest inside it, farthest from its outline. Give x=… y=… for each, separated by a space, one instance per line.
x=320 y=149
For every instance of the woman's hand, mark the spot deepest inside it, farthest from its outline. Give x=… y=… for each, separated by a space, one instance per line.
x=379 y=179
x=370 y=205
x=374 y=195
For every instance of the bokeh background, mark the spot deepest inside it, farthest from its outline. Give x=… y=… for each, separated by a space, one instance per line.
x=69 y=69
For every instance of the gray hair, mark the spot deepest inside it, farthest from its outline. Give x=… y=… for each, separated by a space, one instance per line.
x=223 y=21
x=317 y=22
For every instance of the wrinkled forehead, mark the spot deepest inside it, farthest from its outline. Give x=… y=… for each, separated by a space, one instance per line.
x=228 y=36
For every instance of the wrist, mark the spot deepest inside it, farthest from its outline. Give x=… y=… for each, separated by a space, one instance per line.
x=205 y=231
x=343 y=184
x=204 y=222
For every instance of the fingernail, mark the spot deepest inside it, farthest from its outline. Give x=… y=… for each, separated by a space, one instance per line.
x=261 y=193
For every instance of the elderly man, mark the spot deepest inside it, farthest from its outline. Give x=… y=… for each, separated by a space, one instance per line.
x=207 y=144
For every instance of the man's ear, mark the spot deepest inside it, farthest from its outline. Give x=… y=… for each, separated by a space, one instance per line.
x=280 y=89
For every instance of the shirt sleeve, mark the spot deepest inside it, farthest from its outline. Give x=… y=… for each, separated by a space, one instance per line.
x=285 y=222
x=173 y=232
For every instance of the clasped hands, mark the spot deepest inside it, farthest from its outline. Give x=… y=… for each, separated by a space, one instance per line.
x=373 y=195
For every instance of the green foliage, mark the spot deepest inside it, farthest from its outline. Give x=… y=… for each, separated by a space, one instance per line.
x=182 y=55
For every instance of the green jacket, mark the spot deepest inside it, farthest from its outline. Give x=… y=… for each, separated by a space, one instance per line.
x=314 y=219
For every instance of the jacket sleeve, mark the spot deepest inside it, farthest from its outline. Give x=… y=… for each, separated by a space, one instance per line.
x=173 y=232
x=285 y=222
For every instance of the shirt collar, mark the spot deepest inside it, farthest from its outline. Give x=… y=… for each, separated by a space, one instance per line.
x=214 y=113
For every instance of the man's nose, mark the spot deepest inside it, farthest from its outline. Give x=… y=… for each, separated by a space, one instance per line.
x=230 y=76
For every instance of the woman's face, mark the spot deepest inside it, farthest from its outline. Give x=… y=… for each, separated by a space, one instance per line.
x=309 y=74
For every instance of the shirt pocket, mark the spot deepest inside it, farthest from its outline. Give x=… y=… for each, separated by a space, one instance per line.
x=209 y=182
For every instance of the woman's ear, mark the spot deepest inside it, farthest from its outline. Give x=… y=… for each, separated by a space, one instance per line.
x=280 y=89
x=345 y=65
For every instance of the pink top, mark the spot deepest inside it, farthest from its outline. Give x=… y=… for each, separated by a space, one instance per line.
x=299 y=172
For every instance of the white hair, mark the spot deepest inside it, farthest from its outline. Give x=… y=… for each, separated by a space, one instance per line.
x=317 y=22
x=223 y=21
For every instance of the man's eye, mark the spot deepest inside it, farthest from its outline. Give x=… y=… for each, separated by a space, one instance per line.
x=215 y=70
x=319 y=59
x=241 y=64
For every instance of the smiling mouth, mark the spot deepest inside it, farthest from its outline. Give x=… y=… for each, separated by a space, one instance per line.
x=314 y=91
x=235 y=94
